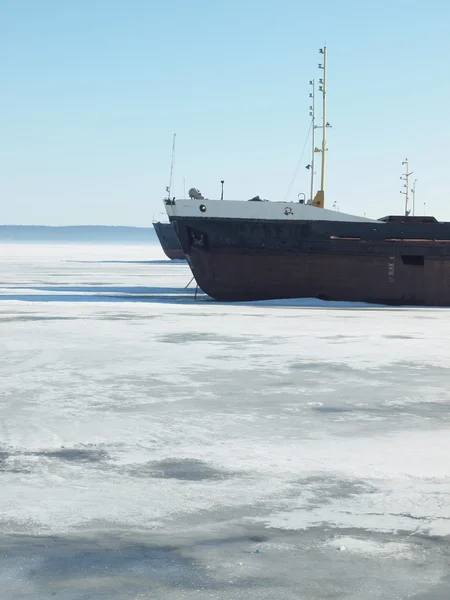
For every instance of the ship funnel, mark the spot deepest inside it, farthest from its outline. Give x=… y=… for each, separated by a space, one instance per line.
x=319 y=199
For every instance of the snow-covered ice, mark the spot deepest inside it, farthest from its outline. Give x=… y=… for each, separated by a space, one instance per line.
x=157 y=444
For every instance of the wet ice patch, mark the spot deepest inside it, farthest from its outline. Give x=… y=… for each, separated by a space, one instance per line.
x=90 y=455
x=320 y=490
x=185 y=469
x=332 y=409
x=34 y=319
x=28 y=462
x=194 y=336
x=77 y=568
x=370 y=547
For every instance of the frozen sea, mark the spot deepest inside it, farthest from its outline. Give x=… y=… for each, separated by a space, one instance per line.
x=154 y=444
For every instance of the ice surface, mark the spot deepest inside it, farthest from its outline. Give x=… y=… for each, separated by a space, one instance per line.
x=157 y=444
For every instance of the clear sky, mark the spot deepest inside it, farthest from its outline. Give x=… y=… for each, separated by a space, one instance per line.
x=91 y=92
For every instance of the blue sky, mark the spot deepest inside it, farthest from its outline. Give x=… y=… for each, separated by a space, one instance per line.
x=93 y=90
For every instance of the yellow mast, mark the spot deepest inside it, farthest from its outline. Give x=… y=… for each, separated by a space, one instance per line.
x=312 y=114
x=323 y=89
x=319 y=199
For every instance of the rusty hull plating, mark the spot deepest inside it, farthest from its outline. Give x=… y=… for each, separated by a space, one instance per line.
x=395 y=261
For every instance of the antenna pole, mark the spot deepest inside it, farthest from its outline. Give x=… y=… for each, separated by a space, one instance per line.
x=312 y=114
x=221 y=195
x=169 y=187
x=413 y=191
x=405 y=178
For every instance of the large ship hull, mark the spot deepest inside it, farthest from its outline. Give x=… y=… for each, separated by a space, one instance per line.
x=396 y=262
x=169 y=241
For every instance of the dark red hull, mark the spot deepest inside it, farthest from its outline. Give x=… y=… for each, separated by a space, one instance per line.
x=259 y=261
x=230 y=276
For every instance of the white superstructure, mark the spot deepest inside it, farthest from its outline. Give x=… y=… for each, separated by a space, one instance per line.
x=253 y=209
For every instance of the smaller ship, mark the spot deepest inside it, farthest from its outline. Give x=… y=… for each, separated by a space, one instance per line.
x=169 y=241
x=164 y=230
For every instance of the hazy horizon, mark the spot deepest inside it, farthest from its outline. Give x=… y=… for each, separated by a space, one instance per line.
x=78 y=233
x=76 y=225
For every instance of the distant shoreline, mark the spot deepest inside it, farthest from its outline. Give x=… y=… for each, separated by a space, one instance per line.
x=77 y=234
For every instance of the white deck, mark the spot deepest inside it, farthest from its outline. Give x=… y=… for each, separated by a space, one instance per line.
x=243 y=209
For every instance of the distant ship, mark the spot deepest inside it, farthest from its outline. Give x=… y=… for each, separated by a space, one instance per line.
x=260 y=250
x=169 y=241
x=165 y=232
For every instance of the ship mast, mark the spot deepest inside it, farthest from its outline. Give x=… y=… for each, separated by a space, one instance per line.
x=405 y=178
x=312 y=114
x=169 y=187
x=319 y=199
x=323 y=89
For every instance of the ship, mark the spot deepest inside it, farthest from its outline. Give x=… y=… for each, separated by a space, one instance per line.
x=168 y=240
x=248 y=250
